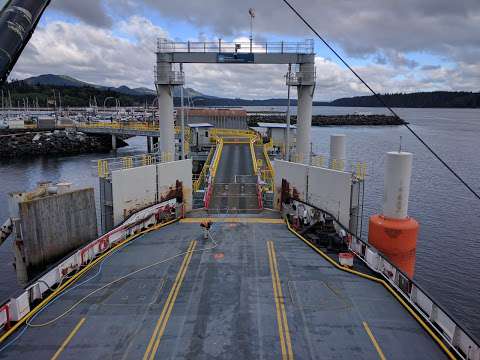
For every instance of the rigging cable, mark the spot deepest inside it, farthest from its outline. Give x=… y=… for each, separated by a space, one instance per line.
x=379 y=98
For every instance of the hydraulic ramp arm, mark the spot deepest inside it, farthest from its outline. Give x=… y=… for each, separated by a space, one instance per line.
x=18 y=20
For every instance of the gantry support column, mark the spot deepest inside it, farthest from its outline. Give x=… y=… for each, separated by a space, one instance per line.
x=304 y=79
x=149 y=144
x=165 y=79
x=165 y=112
x=114 y=142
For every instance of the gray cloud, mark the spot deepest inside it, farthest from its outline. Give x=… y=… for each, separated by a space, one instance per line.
x=90 y=11
x=430 y=67
x=361 y=27
x=385 y=30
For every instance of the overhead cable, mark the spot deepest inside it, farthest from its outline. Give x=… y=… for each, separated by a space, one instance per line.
x=379 y=98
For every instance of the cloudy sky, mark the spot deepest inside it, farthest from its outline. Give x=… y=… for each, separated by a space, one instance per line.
x=409 y=45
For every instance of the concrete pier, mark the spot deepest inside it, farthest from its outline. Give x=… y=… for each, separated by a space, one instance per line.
x=149 y=144
x=114 y=142
x=53 y=223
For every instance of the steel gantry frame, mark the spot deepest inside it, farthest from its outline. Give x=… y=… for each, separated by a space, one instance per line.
x=172 y=55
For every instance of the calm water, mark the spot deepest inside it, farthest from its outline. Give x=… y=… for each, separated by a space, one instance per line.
x=448 y=252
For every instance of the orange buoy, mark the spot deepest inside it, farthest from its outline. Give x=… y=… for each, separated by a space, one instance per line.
x=394 y=233
x=395 y=238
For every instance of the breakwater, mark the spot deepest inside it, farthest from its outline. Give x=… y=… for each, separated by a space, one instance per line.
x=330 y=120
x=57 y=142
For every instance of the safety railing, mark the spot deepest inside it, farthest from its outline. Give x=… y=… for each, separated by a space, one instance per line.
x=105 y=167
x=216 y=158
x=208 y=194
x=232 y=133
x=254 y=157
x=451 y=332
x=170 y=77
x=357 y=168
x=19 y=309
x=220 y=46
x=296 y=78
x=201 y=178
x=268 y=175
x=260 y=196
x=139 y=126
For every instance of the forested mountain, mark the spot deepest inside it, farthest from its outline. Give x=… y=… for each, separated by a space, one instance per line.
x=73 y=92
x=435 y=99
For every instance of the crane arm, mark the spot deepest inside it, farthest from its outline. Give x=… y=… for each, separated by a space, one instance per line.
x=18 y=20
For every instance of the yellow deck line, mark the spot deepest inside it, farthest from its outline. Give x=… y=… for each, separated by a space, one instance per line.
x=387 y=286
x=172 y=303
x=167 y=307
x=277 y=306
x=282 y=303
x=77 y=276
x=284 y=332
x=68 y=339
x=232 y=220
x=374 y=341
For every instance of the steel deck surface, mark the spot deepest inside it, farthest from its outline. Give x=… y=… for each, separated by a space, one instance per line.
x=260 y=293
x=234 y=169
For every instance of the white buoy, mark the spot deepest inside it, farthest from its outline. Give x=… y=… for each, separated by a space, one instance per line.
x=338 y=152
x=398 y=173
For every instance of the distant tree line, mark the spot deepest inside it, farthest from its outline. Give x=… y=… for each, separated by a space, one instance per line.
x=68 y=96
x=436 y=99
x=82 y=96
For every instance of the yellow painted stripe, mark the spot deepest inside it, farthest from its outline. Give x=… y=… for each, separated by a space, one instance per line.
x=167 y=307
x=374 y=341
x=172 y=303
x=282 y=322
x=68 y=339
x=387 y=286
x=281 y=300
x=233 y=220
x=75 y=277
x=277 y=306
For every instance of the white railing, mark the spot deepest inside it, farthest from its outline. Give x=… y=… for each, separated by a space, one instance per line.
x=357 y=168
x=295 y=78
x=104 y=167
x=281 y=47
x=170 y=77
x=17 y=308
x=451 y=332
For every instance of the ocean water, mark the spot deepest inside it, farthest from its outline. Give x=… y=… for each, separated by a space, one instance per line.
x=448 y=249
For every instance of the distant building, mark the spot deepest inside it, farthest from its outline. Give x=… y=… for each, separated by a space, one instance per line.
x=219 y=118
x=278 y=132
x=200 y=135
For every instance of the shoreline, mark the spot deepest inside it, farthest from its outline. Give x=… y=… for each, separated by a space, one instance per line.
x=331 y=120
x=22 y=144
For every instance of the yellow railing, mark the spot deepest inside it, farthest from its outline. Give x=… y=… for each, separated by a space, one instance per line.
x=318 y=160
x=102 y=166
x=268 y=175
x=133 y=126
x=198 y=183
x=232 y=133
x=127 y=162
x=106 y=166
x=216 y=160
x=254 y=157
x=360 y=170
x=147 y=159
